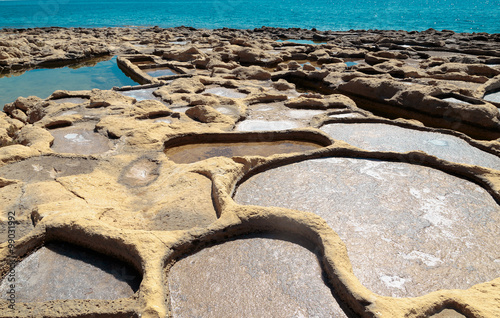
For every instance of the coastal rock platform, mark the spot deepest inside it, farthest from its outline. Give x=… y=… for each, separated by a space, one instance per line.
x=346 y=174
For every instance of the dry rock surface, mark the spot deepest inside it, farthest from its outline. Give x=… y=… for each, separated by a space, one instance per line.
x=354 y=174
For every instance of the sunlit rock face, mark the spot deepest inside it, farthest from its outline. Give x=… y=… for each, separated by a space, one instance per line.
x=251 y=277
x=409 y=230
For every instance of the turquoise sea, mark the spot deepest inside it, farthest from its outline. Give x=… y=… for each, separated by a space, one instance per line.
x=456 y=15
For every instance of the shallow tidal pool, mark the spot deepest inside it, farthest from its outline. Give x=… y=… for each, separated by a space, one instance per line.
x=101 y=73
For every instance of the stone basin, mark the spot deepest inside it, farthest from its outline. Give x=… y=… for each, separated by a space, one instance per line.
x=196 y=152
x=383 y=137
x=303 y=113
x=264 y=276
x=157 y=72
x=228 y=110
x=493 y=97
x=71 y=100
x=225 y=92
x=266 y=125
x=80 y=139
x=140 y=94
x=64 y=271
x=409 y=230
x=44 y=168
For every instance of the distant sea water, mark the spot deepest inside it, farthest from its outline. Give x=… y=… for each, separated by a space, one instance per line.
x=339 y=15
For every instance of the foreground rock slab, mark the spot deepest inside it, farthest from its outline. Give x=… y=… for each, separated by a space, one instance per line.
x=265 y=276
x=409 y=230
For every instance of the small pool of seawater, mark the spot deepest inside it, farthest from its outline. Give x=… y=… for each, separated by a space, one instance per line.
x=197 y=152
x=302 y=41
x=157 y=72
x=97 y=73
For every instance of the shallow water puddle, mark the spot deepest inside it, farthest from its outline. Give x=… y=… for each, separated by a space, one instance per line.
x=409 y=230
x=80 y=139
x=383 y=137
x=264 y=276
x=64 y=271
x=302 y=41
x=98 y=73
x=197 y=152
x=225 y=92
x=157 y=72
x=140 y=94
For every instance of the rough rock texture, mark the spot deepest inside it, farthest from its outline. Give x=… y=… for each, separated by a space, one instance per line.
x=406 y=225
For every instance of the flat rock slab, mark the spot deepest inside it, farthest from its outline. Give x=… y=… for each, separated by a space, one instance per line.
x=45 y=168
x=64 y=271
x=383 y=137
x=409 y=230
x=266 y=125
x=303 y=113
x=275 y=116
x=197 y=152
x=224 y=92
x=493 y=97
x=80 y=139
x=71 y=100
x=251 y=277
x=140 y=94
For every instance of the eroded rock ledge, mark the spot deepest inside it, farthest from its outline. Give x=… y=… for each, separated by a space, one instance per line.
x=219 y=149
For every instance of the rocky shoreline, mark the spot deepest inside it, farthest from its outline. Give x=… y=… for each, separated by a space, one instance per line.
x=150 y=174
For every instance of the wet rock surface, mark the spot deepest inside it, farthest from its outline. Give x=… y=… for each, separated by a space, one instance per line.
x=197 y=152
x=146 y=173
x=265 y=276
x=409 y=230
